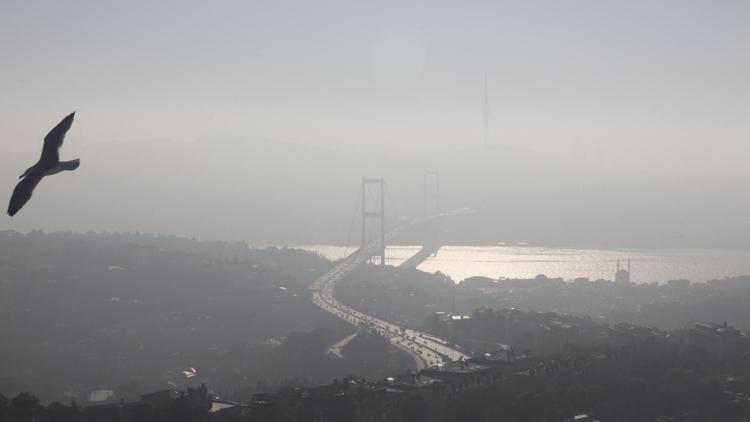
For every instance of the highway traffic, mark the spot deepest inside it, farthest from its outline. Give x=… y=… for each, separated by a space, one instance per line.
x=427 y=350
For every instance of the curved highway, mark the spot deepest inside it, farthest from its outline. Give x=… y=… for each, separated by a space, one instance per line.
x=427 y=350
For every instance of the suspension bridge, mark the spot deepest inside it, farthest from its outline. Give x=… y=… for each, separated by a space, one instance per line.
x=426 y=349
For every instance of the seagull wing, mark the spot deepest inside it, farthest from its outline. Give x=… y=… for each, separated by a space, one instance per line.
x=22 y=192
x=54 y=140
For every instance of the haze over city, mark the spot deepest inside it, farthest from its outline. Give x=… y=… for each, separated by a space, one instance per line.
x=612 y=96
x=374 y=211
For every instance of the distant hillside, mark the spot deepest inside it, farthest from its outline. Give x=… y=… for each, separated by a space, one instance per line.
x=279 y=193
x=80 y=313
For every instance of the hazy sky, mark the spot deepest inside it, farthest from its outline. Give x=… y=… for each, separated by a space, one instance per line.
x=648 y=100
x=652 y=79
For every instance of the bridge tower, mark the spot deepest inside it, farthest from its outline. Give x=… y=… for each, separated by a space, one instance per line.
x=431 y=192
x=378 y=215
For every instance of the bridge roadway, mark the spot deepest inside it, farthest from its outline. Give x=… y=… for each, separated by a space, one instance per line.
x=427 y=350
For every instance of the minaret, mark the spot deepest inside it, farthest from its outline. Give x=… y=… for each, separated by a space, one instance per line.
x=622 y=275
x=628 y=269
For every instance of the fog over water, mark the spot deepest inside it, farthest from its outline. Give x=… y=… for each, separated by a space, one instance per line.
x=622 y=125
x=482 y=151
x=647 y=265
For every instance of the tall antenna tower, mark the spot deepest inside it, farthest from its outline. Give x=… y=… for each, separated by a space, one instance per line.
x=486 y=113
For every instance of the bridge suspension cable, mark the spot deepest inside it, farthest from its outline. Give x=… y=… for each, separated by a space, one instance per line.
x=348 y=244
x=392 y=204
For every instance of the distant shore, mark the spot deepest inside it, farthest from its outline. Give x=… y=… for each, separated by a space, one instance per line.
x=569 y=263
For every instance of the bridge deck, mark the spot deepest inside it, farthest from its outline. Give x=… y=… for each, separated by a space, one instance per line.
x=421 y=256
x=427 y=350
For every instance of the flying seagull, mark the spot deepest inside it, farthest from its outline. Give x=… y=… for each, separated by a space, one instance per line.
x=49 y=163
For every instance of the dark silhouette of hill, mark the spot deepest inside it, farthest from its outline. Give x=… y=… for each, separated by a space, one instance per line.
x=132 y=312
